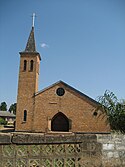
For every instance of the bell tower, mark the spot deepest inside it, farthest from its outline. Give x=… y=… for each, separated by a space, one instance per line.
x=27 y=84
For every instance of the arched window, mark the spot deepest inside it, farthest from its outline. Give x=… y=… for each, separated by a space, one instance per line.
x=25 y=116
x=31 y=65
x=25 y=65
x=60 y=123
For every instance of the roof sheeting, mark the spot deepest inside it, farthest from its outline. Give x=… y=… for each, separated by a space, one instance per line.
x=6 y=114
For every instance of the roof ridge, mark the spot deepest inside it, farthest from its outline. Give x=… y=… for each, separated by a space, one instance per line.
x=72 y=88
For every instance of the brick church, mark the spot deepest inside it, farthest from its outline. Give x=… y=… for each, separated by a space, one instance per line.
x=57 y=108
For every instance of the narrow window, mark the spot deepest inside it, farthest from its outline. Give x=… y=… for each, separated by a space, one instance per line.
x=31 y=65
x=25 y=65
x=25 y=116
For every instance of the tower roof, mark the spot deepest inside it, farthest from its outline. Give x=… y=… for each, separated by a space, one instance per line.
x=31 y=46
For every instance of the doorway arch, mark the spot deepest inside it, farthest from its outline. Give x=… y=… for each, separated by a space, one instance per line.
x=60 y=123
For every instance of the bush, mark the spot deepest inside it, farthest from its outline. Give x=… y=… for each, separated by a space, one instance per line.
x=2 y=121
x=115 y=111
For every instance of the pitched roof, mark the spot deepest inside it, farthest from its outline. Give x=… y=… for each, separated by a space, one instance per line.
x=82 y=95
x=6 y=114
x=31 y=46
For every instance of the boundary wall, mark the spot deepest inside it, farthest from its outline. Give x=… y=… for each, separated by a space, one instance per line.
x=61 y=150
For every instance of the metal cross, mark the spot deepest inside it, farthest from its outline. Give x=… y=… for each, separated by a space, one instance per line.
x=33 y=16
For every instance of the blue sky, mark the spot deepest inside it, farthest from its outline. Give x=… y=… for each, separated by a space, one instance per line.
x=82 y=42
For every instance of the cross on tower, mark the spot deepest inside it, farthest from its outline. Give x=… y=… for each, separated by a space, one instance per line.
x=33 y=20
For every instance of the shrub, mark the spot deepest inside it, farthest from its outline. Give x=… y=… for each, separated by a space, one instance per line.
x=2 y=121
x=115 y=111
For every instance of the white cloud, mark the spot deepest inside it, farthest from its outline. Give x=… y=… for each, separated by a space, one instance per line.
x=44 y=45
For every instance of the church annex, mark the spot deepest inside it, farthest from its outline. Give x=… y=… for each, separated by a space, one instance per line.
x=57 y=108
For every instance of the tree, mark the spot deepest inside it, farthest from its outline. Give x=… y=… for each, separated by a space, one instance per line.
x=3 y=106
x=13 y=108
x=114 y=109
x=2 y=121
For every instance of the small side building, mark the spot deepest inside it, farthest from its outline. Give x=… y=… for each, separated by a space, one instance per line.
x=7 y=116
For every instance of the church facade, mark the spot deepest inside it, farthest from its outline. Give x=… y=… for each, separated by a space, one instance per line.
x=57 y=108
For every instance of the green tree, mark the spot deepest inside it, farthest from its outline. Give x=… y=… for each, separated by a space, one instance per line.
x=114 y=109
x=2 y=121
x=3 y=106
x=13 y=108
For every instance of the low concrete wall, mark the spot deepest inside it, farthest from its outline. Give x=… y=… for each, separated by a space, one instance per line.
x=113 y=149
x=62 y=150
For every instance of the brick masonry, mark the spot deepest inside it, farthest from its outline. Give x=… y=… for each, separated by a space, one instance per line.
x=42 y=106
x=78 y=108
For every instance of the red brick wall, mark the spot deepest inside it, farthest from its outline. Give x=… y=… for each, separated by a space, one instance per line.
x=27 y=86
x=77 y=108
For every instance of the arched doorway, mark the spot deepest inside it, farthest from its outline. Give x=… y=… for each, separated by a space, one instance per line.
x=60 y=123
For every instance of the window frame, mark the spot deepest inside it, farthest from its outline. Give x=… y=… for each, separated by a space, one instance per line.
x=24 y=115
x=24 y=65
x=31 y=65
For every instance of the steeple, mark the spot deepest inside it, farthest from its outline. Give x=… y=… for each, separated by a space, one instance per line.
x=31 y=46
x=28 y=84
